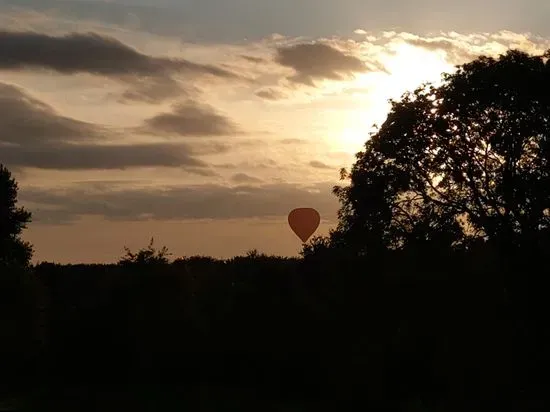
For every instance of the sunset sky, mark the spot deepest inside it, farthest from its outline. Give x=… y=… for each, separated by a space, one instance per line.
x=202 y=123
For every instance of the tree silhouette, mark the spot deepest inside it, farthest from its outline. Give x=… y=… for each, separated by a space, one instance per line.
x=13 y=219
x=464 y=162
x=146 y=256
x=22 y=298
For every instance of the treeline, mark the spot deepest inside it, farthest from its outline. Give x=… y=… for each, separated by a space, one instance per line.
x=435 y=327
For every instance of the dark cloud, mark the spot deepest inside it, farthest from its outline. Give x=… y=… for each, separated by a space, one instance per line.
x=244 y=178
x=26 y=120
x=270 y=94
x=192 y=202
x=104 y=56
x=89 y=53
x=318 y=61
x=190 y=119
x=33 y=134
x=100 y=157
x=319 y=165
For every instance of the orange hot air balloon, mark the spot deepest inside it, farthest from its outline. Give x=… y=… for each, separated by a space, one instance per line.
x=304 y=222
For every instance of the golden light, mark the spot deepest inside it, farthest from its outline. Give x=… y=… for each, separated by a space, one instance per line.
x=351 y=139
x=407 y=68
x=410 y=66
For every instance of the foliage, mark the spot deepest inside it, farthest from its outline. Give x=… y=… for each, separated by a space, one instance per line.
x=145 y=256
x=13 y=219
x=316 y=246
x=455 y=164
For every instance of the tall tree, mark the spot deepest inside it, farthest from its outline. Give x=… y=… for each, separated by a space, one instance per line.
x=13 y=219
x=463 y=162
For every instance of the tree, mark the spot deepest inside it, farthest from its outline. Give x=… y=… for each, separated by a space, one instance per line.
x=318 y=245
x=13 y=219
x=464 y=162
x=148 y=256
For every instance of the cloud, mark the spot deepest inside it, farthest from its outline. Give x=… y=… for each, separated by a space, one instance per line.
x=35 y=135
x=318 y=61
x=253 y=59
x=319 y=165
x=153 y=91
x=89 y=53
x=26 y=120
x=178 y=203
x=293 y=141
x=244 y=178
x=270 y=94
x=433 y=44
x=190 y=119
x=101 y=55
x=456 y=51
x=266 y=164
x=63 y=156
x=461 y=48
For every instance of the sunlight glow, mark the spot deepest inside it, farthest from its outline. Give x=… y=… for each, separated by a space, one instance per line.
x=408 y=67
x=351 y=139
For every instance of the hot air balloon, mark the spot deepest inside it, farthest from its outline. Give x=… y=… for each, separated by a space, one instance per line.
x=304 y=222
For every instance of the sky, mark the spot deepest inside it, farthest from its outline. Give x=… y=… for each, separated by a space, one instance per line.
x=203 y=123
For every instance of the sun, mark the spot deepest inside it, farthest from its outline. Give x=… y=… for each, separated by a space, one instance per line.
x=410 y=66
x=407 y=67
x=352 y=138
x=351 y=131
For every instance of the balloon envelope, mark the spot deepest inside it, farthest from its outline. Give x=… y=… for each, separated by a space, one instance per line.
x=304 y=222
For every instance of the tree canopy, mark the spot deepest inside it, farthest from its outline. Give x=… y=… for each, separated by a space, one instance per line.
x=13 y=219
x=464 y=162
